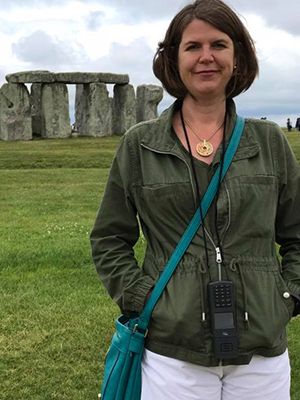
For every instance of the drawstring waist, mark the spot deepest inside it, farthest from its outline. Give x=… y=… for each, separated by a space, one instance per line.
x=203 y=270
x=235 y=267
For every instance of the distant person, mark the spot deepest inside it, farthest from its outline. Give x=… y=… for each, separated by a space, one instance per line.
x=297 y=126
x=289 y=125
x=159 y=175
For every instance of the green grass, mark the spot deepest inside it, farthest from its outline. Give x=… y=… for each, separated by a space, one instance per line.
x=294 y=139
x=56 y=318
x=84 y=153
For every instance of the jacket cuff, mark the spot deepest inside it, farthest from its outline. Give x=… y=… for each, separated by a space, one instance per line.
x=293 y=287
x=296 y=297
x=295 y=293
x=134 y=298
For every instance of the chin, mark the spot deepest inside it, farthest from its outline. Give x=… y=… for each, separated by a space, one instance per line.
x=208 y=92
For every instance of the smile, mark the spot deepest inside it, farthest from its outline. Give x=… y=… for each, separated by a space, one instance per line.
x=207 y=73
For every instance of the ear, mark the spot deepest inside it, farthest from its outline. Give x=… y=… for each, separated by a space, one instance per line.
x=234 y=63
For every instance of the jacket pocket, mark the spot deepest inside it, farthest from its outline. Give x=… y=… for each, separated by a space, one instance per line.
x=254 y=203
x=161 y=192
x=269 y=311
x=177 y=317
x=168 y=202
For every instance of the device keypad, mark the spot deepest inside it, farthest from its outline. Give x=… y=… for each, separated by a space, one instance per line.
x=222 y=296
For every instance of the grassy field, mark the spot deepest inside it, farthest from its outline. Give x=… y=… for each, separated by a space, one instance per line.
x=56 y=318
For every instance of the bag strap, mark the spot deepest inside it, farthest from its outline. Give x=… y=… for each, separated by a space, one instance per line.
x=192 y=227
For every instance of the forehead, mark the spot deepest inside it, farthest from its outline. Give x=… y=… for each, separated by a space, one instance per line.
x=200 y=30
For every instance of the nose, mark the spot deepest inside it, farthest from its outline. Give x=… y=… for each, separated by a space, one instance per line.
x=206 y=55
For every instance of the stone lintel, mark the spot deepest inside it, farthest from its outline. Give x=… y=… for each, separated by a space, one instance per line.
x=91 y=77
x=31 y=77
x=67 y=77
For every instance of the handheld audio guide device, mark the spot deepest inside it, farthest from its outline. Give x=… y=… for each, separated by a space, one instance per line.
x=223 y=319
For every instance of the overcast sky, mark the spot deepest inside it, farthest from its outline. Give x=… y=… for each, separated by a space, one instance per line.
x=121 y=36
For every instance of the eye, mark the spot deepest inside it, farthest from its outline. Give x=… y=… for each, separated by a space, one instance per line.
x=193 y=47
x=219 y=45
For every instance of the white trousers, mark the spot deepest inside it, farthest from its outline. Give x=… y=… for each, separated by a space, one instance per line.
x=264 y=378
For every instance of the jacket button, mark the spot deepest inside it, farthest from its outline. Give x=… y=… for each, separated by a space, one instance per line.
x=286 y=295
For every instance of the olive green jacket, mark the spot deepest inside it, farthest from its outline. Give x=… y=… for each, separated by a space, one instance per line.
x=258 y=205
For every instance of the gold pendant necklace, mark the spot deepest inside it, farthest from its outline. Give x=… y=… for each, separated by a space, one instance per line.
x=204 y=148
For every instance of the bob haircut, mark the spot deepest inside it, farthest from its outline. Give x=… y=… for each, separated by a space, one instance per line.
x=222 y=17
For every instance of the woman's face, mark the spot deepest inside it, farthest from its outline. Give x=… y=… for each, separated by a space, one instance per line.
x=205 y=60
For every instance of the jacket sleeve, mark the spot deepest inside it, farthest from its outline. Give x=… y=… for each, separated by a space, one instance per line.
x=288 y=212
x=115 y=232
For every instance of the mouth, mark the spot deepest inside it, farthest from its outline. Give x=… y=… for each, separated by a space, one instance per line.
x=207 y=73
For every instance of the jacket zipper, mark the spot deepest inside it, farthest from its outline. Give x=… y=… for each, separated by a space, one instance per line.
x=219 y=262
x=227 y=227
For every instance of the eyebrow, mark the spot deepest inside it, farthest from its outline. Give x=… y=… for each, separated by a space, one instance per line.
x=191 y=42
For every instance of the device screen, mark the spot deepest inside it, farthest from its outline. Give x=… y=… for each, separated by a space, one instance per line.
x=224 y=320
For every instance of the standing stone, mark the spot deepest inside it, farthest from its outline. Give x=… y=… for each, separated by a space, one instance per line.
x=124 y=109
x=55 y=111
x=36 y=111
x=147 y=99
x=81 y=109
x=93 y=110
x=15 y=119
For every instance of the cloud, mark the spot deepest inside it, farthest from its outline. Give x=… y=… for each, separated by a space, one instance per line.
x=272 y=95
x=94 y=20
x=136 y=11
x=41 y=49
x=10 y=4
x=121 y=36
x=279 y=14
x=273 y=92
x=134 y=59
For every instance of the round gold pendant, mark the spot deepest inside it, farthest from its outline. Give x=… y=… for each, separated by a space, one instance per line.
x=204 y=148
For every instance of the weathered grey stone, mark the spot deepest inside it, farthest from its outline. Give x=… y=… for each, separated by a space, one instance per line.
x=81 y=109
x=93 y=110
x=36 y=109
x=31 y=77
x=55 y=111
x=91 y=77
x=124 y=109
x=147 y=99
x=67 y=77
x=15 y=116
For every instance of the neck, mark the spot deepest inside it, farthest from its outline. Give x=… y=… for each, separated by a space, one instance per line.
x=204 y=113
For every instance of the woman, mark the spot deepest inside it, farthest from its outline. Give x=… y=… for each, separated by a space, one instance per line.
x=206 y=59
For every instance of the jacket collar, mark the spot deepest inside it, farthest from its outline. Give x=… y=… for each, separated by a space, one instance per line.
x=159 y=137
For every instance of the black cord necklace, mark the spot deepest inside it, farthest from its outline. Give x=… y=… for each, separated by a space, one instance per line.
x=197 y=187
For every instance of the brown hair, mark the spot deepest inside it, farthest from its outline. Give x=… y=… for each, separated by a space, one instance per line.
x=222 y=17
